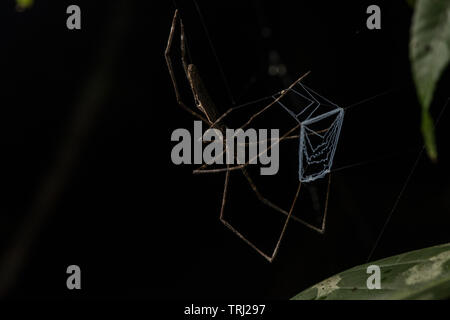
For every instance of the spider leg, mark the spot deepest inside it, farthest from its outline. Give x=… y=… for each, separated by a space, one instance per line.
x=270 y=204
x=282 y=94
x=180 y=102
x=286 y=223
x=271 y=257
x=233 y=229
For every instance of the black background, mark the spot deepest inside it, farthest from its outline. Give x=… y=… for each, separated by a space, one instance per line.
x=141 y=227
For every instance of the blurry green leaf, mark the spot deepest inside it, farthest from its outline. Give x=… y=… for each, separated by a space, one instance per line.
x=420 y=274
x=24 y=4
x=430 y=54
x=427 y=128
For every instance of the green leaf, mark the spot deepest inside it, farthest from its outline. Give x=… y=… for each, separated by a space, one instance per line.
x=430 y=54
x=420 y=274
x=24 y=4
x=428 y=134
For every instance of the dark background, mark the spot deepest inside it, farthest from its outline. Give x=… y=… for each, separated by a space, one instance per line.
x=86 y=175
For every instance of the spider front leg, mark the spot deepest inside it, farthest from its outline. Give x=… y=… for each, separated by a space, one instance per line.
x=180 y=102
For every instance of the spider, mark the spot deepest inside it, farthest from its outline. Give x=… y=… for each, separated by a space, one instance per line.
x=207 y=112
